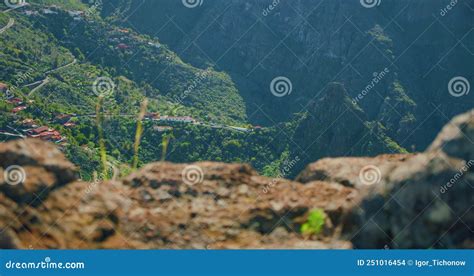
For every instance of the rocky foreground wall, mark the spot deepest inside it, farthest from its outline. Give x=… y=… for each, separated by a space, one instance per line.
x=420 y=200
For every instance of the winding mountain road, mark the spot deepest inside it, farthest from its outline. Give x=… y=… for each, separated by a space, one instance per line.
x=24 y=4
x=61 y=67
x=10 y=24
x=44 y=81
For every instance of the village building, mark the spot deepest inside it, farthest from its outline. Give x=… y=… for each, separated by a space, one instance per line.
x=69 y=124
x=49 y=11
x=156 y=45
x=123 y=46
x=18 y=109
x=75 y=13
x=15 y=101
x=177 y=119
x=162 y=128
x=29 y=123
x=38 y=130
x=30 y=12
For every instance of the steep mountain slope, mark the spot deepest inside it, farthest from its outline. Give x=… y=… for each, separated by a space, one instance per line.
x=146 y=60
x=51 y=63
x=421 y=44
x=216 y=62
x=335 y=126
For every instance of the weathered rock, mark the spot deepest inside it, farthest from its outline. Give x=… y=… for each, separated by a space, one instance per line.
x=30 y=169
x=163 y=206
x=426 y=202
x=232 y=207
x=33 y=152
x=456 y=138
x=347 y=171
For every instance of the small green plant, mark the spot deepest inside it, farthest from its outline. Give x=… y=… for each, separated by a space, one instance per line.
x=102 y=149
x=165 y=143
x=315 y=222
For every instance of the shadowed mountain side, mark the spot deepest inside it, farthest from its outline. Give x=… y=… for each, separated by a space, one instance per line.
x=335 y=126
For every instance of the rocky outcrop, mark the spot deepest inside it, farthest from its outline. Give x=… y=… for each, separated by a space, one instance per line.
x=38 y=167
x=164 y=205
x=230 y=206
x=347 y=170
x=410 y=201
x=426 y=202
x=391 y=201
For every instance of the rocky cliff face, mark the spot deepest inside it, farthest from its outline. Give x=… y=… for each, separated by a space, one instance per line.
x=336 y=126
x=391 y=201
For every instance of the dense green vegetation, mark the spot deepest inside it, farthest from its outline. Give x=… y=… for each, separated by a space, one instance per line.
x=36 y=45
x=52 y=60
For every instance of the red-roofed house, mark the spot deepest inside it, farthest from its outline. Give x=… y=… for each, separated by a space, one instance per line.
x=16 y=101
x=49 y=133
x=18 y=109
x=69 y=124
x=38 y=130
